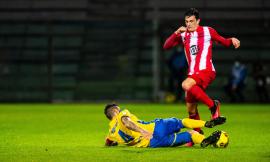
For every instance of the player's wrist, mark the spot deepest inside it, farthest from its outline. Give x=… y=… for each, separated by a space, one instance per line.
x=109 y=142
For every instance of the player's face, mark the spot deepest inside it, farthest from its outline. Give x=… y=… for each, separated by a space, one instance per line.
x=116 y=110
x=191 y=23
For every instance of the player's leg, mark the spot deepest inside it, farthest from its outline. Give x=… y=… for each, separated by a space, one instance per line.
x=197 y=124
x=165 y=132
x=191 y=87
x=198 y=138
x=191 y=123
x=164 y=127
x=192 y=108
x=213 y=138
x=173 y=125
x=177 y=139
x=174 y=139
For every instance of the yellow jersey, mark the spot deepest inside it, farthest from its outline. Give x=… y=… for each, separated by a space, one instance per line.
x=122 y=135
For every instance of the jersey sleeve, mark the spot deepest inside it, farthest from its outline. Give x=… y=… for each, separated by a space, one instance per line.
x=132 y=117
x=172 y=41
x=124 y=113
x=216 y=37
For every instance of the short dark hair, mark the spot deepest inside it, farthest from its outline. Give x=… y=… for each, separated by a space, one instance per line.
x=107 y=110
x=192 y=12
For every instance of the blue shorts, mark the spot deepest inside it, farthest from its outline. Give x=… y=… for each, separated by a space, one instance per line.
x=166 y=133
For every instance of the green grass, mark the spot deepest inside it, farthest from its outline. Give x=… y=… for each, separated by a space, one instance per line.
x=76 y=132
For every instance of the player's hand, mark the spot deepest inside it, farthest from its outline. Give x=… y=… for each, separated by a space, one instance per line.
x=236 y=43
x=180 y=30
x=109 y=142
x=147 y=135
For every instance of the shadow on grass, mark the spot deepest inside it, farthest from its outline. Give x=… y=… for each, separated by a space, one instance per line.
x=135 y=150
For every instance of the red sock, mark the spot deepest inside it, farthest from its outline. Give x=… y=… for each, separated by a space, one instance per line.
x=196 y=117
x=200 y=95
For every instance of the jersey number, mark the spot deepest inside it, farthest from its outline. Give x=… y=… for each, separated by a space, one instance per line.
x=193 y=49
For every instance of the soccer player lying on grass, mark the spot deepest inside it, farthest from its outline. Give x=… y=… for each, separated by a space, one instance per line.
x=126 y=128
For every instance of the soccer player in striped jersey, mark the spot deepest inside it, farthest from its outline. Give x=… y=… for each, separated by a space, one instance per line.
x=197 y=41
x=126 y=129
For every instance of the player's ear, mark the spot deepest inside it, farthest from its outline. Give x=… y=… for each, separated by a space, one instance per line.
x=198 y=21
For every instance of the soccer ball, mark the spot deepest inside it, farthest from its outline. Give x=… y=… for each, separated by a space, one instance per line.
x=223 y=140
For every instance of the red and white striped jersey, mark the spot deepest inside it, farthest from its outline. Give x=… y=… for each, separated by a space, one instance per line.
x=198 y=47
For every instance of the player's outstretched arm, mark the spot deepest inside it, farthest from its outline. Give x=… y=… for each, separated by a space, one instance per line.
x=132 y=126
x=224 y=41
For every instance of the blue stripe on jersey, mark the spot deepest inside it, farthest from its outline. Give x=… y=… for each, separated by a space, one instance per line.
x=125 y=137
x=144 y=122
x=114 y=127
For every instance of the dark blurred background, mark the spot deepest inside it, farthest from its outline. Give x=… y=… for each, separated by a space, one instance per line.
x=96 y=50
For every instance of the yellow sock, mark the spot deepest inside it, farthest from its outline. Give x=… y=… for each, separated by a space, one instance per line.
x=197 y=138
x=191 y=123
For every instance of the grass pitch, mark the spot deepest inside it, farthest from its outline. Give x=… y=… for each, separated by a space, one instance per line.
x=76 y=132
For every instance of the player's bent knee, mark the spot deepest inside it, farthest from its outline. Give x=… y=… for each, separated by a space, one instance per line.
x=187 y=84
x=192 y=132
